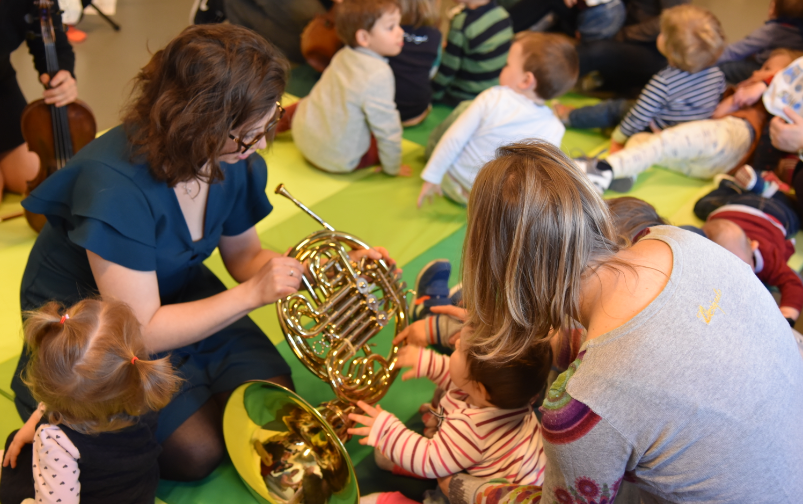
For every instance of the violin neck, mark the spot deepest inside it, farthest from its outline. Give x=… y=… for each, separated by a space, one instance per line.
x=62 y=139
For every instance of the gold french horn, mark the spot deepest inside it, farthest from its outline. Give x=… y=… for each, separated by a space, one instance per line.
x=285 y=450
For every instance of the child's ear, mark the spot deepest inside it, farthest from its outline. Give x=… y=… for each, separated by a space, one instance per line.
x=362 y=36
x=529 y=83
x=483 y=392
x=753 y=245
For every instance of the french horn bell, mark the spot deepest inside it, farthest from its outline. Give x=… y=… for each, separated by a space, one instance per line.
x=286 y=451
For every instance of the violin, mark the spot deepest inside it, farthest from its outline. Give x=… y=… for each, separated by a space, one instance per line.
x=53 y=133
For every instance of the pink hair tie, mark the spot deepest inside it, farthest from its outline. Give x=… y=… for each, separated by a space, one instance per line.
x=134 y=359
x=63 y=318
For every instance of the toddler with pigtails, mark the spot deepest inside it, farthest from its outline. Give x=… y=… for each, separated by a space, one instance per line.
x=93 y=433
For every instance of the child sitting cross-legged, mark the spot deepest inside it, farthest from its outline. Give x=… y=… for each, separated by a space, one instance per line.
x=99 y=393
x=487 y=423
x=349 y=120
x=539 y=67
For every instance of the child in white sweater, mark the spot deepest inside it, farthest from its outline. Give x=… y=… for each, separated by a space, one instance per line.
x=539 y=67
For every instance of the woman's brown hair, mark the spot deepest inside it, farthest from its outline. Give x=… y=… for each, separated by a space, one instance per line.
x=207 y=82
x=92 y=371
x=536 y=228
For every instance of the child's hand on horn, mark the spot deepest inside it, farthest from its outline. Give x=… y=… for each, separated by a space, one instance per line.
x=367 y=420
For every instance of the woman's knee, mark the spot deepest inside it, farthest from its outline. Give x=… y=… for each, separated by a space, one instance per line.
x=196 y=448
x=285 y=381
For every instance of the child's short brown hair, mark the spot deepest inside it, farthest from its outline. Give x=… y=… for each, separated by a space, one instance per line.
x=354 y=15
x=419 y=13
x=513 y=383
x=788 y=9
x=91 y=368
x=693 y=37
x=632 y=216
x=552 y=59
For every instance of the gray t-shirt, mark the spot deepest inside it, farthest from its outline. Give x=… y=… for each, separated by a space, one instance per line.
x=698 y=398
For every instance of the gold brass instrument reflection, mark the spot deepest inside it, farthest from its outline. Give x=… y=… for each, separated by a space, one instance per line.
x=301 y=464
x=341 y=305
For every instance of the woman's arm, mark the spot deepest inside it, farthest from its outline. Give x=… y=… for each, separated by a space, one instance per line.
x=243 y=254
x=172 y=326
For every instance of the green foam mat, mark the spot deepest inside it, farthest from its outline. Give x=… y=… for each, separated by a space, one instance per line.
x=374 y=207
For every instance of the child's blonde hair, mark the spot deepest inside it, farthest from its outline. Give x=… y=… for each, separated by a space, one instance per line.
x=693 y=37
x=419 y=13
x=552 y=59
x=90 y=367
x=536 y=226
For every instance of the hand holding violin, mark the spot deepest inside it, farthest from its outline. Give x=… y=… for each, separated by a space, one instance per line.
x=61 y=90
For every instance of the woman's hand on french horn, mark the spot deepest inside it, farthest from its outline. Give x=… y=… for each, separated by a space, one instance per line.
x=278 y=278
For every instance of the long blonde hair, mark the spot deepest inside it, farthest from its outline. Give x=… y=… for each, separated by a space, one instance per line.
x=536 y=227
x=90 y=367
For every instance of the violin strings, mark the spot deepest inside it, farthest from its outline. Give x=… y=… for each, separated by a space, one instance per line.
x=62 y=139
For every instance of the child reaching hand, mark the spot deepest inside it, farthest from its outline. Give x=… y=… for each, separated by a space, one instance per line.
x=98 y=392
x=487 y=424
x=539 y=67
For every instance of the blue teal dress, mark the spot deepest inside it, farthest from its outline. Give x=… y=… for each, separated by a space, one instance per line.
x=103 y=202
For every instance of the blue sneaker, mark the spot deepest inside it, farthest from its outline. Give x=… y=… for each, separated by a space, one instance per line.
x=431 y=288
x=456 y=295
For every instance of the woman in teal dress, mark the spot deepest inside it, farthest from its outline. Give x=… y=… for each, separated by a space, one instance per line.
x=136 y=212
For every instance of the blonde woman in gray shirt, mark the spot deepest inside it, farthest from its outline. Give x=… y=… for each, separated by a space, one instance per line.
x=349 y=120
x=689 y=386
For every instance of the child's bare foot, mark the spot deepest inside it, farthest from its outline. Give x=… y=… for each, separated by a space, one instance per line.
x=562 y=112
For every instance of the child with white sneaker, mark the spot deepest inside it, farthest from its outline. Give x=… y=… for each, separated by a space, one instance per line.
x=700 y=149
x=539 y=67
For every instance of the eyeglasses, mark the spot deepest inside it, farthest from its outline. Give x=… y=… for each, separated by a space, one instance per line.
x=245 y=147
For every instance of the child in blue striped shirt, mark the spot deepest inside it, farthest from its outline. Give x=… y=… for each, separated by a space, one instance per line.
x=688 y=89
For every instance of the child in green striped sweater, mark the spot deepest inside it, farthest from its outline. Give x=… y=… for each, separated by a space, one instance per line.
x=476 y=50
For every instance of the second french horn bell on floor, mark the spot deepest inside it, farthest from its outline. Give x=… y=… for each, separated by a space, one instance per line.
x=285 y=450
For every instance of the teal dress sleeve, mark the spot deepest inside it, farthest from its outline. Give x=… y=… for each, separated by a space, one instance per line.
x=101 y=210
x=252 y=204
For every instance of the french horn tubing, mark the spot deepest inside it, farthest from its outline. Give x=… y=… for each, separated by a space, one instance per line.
x=342 y=304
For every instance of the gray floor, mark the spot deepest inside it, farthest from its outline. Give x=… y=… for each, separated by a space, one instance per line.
x=107 y=61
